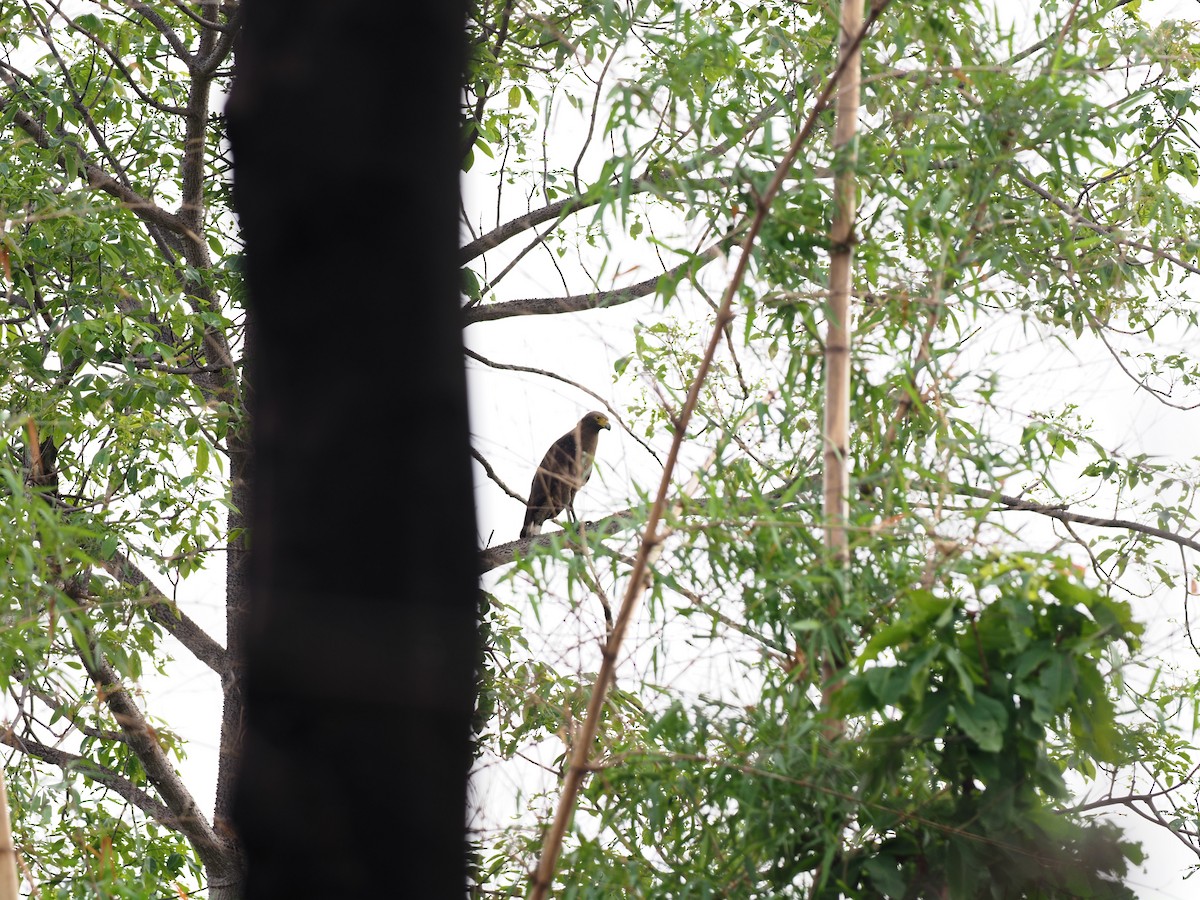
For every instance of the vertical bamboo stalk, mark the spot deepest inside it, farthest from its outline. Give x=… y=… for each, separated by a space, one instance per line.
x=8 y=850
x=836 y=479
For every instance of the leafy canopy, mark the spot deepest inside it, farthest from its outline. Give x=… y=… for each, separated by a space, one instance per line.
x=1021 y=183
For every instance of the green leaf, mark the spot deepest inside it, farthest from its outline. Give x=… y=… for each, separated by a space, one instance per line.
x=108 y=546
x=201 y=457
x=983 y=720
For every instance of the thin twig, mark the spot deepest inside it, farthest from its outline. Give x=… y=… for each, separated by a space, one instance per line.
x=512 y=367
x=491 y=473
x=1098 y=330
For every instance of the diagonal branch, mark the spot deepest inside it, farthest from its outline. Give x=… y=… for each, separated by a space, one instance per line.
x=186 y=815
x=652 y=180
x=163 y=611
x=100 y=774
x=113 y=57
x=97 y=178
x=491 y=473
x=162 y=26
x=544 y=306
x=511 y=367
x=511 y=229
x=1160 y=396
x=1110 y=232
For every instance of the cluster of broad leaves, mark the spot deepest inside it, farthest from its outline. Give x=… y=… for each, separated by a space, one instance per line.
x=953 y=712
x=105 y=309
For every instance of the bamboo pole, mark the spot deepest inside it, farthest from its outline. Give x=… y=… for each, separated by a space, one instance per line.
x=8 y=850
x=836 y=477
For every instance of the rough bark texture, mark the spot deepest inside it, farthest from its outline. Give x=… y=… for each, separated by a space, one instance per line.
x=359 y=675
x=237 y=604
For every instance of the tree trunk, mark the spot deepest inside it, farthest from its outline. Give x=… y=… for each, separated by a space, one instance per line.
x=361 y=629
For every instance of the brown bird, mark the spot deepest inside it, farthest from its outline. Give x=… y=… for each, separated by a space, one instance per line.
x=564 y=469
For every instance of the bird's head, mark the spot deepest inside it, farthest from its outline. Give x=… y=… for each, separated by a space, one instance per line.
x=596 y=421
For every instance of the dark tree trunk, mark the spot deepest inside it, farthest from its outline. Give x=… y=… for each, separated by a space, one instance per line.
x=361 y=632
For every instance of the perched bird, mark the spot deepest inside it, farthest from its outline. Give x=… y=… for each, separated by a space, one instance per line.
x=564 y=469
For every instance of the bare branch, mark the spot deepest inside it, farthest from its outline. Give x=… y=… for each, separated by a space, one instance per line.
x=1061 y=513
x=1130 y=799
x=511 y=229
x=544 y=306
x=1098 y=330
x=509 y=367
x=587 y=140
x=491 y=473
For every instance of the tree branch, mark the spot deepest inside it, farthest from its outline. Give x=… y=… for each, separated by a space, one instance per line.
x=223 y=46
x=163 y=27
x=650 y=181
x=195 y=143
x=113 y=57
x=491 y=473
x=543 y=306
x=650 y=545
x=163 y=611
x=96 y=177
x=1114 y=234
x=71 y=762
x=186 y=816
x=1098 y=330
x=502 y=554
x=511 y=229
x=1061 y=513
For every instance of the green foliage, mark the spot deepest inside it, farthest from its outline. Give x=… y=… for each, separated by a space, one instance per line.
x=117 y=288
x=85 y=846
x=922 y=721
